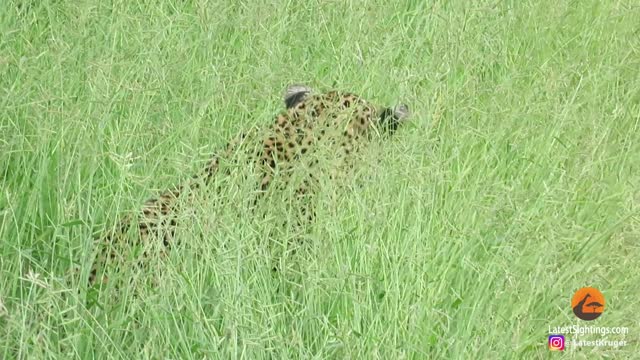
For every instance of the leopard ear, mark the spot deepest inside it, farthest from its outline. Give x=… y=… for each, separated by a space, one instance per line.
x=295 y=94
x=392 y=118
x=401 y=112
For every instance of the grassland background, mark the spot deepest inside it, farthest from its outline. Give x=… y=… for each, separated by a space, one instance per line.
x=516 y=183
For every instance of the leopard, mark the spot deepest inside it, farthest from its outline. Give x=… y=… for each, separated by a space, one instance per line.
x=334 y=124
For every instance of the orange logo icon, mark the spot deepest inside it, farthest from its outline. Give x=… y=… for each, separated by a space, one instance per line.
x=588 y=303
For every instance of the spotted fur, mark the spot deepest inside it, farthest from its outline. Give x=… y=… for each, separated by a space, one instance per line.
x=333 y=124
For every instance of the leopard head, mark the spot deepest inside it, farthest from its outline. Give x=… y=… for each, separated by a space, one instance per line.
x=387 y=118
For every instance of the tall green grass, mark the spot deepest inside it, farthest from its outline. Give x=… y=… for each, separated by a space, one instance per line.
x=463 y=236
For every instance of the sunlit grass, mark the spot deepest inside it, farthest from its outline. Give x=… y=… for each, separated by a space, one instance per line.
x=463 y=236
